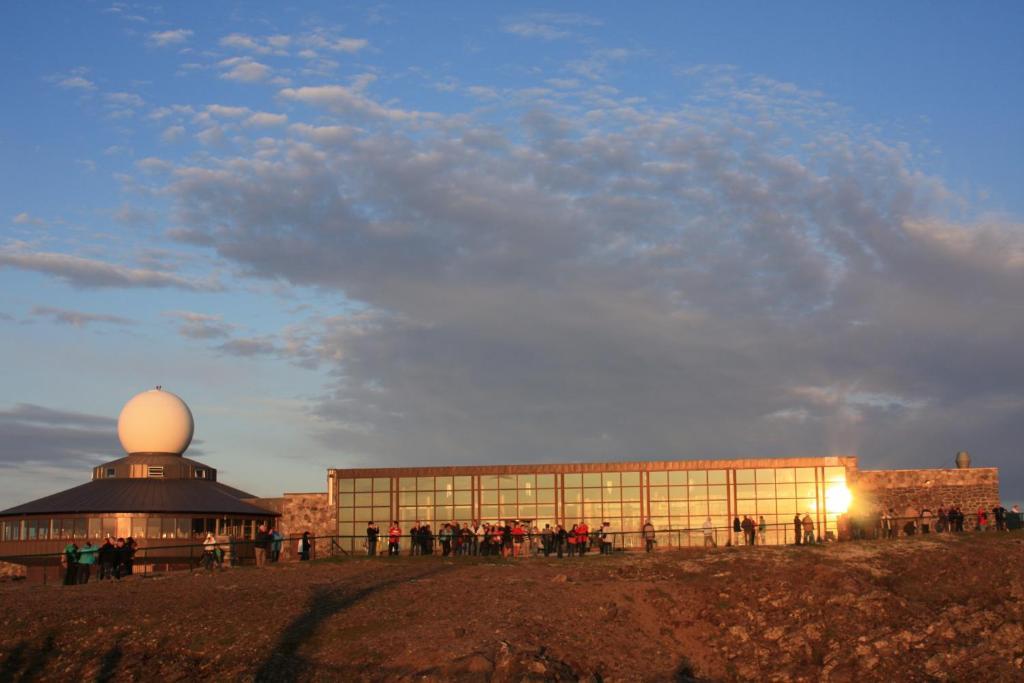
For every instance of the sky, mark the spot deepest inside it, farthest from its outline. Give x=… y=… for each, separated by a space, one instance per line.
x=399 y=235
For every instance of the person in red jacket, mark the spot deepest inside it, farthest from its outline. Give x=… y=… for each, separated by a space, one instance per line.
x=394 y=535
x=582 y=537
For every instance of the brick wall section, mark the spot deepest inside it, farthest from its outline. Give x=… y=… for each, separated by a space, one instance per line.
x=909 y=491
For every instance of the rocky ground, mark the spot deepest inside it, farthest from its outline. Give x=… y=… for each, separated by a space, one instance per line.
x=915 y=609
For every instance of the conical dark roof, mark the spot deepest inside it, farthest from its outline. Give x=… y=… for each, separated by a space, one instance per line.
x=192 y=496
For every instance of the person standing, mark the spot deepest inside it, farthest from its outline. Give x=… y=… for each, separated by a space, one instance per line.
x=304 y=546
x=926 y=521
x=130 y=547
x=571 y=540
x=474 y=547
x=649 y=537
x=762 y=530
x=276 y=542
x=709 y=534
x=415 y=548
x=547 y=538
x=372 y=532
x=394 y=536
x=106 y=557
x=808 y=530
x=69 y=560
x=606 y=538
x=748 y=530
x=797 y=528
x=209 y=546
x=562 y=539
x=737 y=528
x=86 y=559
x=260 y=545
x=582 y=538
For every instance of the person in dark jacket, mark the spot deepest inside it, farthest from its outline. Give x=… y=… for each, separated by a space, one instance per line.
x=69 y=559
x=561 y=539
x=261 y=544
x=304 y=544
x=107 y=557
x=121 y=559
x=798 y=527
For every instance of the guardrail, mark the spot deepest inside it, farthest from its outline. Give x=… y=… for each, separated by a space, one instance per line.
x=146 y=560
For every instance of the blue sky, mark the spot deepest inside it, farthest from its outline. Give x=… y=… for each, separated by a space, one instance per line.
x=352 y=234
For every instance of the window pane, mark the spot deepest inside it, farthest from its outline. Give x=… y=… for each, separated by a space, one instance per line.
x=630 y=478
x=591 y=495
x=364 y=485
x=382 y=515
x=630 y=509
x=345 y=485
x=718 y=507
x=698 y=493
x=766 y=476
x=488 y=481
x=630 y=493
x=744 y=491
x=489 y=497
x=463 y=497
x=346 y=499
x=527 y=512
x=716 y=477
x=407 y=498
x=679 y=509
x=382 y=484
x=364 y=499
x=678 y=492
x=545 y=481
x=546 y=496
x=425 y=483
x=424 y=498
x=697 y=477
x=592 y=479
x=785 y=490
x=766 y=490
x=573 y=496
x=463 y=483
x=546 y=511
x=444 y=497
x=382 y=499
x=659 y=493
x=527 y=481
x=407 y=484
x=785 y=506
x=573 y=480
x=612 y=510
x=766 y=507
x=744 y=476
x=657 y=478
x=785 y=475
x=527 y=496
x=345 y=514
x=659 y=509
x=489 y=511
x=153 y=527
x=718 y=492
x=443 y=513
x=804 y=474
x=835 y=474
x=507 y=481
x=611 y=479
x=572 y=513
x=698 y=509
x=463 y=513
x=443 y=484
x=806 y=490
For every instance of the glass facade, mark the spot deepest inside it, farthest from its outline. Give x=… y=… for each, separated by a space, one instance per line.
x=122 y=526
x=675 y=500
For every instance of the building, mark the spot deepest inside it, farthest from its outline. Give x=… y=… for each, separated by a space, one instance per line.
x=154 y=495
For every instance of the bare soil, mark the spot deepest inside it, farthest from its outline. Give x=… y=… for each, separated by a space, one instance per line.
x=929 y=608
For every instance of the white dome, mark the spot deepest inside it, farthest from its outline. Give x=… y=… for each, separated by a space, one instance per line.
x=155 y=421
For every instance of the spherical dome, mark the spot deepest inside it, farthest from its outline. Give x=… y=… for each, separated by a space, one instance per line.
x=155 y=421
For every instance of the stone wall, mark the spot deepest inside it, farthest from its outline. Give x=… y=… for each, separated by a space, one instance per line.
x=10 y=571
x=301 y=512
x=909 y=491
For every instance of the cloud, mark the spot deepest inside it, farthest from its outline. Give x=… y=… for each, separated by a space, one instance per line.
x=226 y=111
x=245 y=70
x=34 y=434
x=343 y=100
x=172 y=37
x=349 y=45
x=89 y=273
x=200 y=325
x=76 y=83
x=263 y=119
x=741 y=273
x=172 y=134
x=25 y=218
x=548 y=25
x=125 y=99
x=77 y=318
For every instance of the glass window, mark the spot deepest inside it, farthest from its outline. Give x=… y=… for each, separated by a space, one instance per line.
x=364 y=485
x=766 y=507
x=443 y=484
x=167 y=527
x=546 y=496
x=507 y=481
x=425 y=498
x=346 y=514
x=835 y=474
x=615 y=509
x=657 y=478
x=630 y=478
x=527 y=512
x=659 y=509
x=574 y=480
x=363 y=499
x=804 y=474
x=679 y=509
x=382 y=484
x=807 y=506
x=766 y=490
x=488 y=481
x=785 y=475
x=785 y=506
x=717 y=477
x=765 y=476
x=346 y=499
x=698 y=493
x=806 y=490
x=30 y=529
x=546 y=511
x=407 y=484
x=443 y=513
x=425 y=483
x=630 y=493
x=545 y=481
x=463 y=497
x=591 y=495
x=697 y=477
x=630 y=509
x=382 y=499
x=659 y=493
x=183 y=527
x=718 y=507
x=698 y=508
x=718 y=492
x=592 y=479
x=95 y=527
x=382 y=514
x=344 y=484
x=744 y=491
x=572 y=512
x=527 y=496
x=573 y=496
x=489 y=511
x=785 y=490
x=611 y=480
x=407 y=498
x=527 y=481
x=489 y=497
x=153 y=527
x=463 y=483
x=744 y=476
x=678 y=492
x=463 y=513
x=677 y=477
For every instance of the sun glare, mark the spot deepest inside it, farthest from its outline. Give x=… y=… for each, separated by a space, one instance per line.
x=838 y=498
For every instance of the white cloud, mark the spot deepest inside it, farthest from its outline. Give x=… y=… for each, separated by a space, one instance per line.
x=245 y=70
x=349 y=45
x=25 y=218
x=172 y=134
x=172 y=37
x=343 y=100
x=84 y=272
x=76 y=83
x=77 y=318
x=124 y=99
x=226 y=111
x=263 y=118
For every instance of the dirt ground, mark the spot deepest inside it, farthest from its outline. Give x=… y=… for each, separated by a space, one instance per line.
x=917 y=609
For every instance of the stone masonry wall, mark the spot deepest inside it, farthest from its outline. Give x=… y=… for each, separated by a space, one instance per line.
x=300 y=512
x=909 y=491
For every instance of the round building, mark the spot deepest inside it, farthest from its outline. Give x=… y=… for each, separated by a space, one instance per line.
x=164 y=501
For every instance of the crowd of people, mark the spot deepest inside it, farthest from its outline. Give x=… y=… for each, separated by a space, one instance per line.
x=113 y=559
x=952 y=519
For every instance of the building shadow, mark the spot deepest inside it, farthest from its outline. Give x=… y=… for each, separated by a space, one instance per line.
x=284 y=663
x=108 y=664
